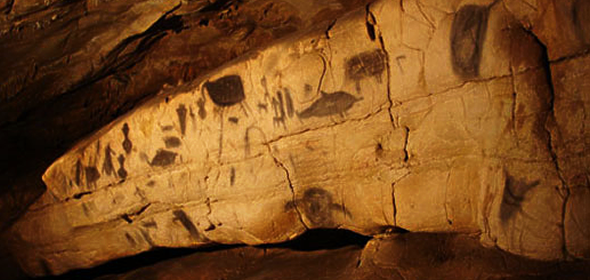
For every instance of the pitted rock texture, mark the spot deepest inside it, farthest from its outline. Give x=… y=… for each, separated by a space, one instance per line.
x=430 y=116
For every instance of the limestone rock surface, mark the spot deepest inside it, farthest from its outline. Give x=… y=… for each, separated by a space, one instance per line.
x=431 y=116
x=71 y=67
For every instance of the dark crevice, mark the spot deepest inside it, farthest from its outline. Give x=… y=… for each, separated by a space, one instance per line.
x=388 y=66
x=327 y=33
x=370 y=23
x=564 y=191
x=312 y=240
x=407 y=138
x=290 y=187
x=129 y=264
x=80 y=195
x=128 y=217
x=322 y=239
x=582 y=53
x=394 y=203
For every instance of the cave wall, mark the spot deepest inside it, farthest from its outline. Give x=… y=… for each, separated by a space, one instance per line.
x=462 y=116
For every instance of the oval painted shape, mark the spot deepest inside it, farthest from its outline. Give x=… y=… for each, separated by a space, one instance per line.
x=467 y=37
x=163 y=158
x=226 y=91
x=329 y=104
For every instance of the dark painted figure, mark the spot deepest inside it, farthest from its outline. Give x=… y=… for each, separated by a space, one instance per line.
x=467 y=37
x=181 y=112
x=172 y=142
x=226 y=91
x=202 y=112
x=78 y=176
x=514 y=193
x=364 y=65
x=163 y=158
x=289 y=103
x=186 y=222
x=121 y=172
x=167 y=128
x=232 y=176
x=130 y=239
x=146 y=236
x=127 y=145
x=92 y=174
x=107 y=166
x=330 y=104
x=278 y=106
x=150 y=224
x=317 y=204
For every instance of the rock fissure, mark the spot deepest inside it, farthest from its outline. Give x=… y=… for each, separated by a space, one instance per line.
x=291 y=187
x=387 y=66
x=129 y=217
x=370 y=23
x=334 y=124
x=514 y=100
x=406 y=141
x=393 y=198
x=79 y=195
x=329 y=28
x=425 y=16
x=446 y=200
x=393 y=202
x=468 y=82
x=566 y=58
x=564 y=190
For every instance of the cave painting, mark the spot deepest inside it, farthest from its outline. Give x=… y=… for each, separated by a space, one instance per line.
x=467 y=39
x=299 y=149
x=226 y=91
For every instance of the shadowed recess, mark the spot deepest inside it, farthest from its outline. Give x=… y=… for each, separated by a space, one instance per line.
x=128 y=264
x=312 y=240
x=323 y=239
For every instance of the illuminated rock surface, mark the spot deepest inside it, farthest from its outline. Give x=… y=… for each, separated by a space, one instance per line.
x=462 y=116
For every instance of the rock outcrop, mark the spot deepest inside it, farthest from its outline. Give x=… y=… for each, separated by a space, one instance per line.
x=462 y=116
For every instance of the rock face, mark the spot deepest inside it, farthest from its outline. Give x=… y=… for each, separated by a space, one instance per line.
x=71 y=67
x=462 y=116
